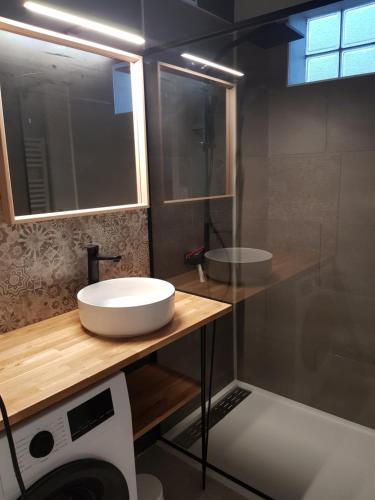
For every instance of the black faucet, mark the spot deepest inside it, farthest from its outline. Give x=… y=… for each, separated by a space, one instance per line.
x=93 y=259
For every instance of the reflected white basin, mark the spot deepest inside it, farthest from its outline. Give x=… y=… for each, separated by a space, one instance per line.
x=126 y=307
x=250 y=266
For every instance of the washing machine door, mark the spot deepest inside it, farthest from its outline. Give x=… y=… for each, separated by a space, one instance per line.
x=81 y=480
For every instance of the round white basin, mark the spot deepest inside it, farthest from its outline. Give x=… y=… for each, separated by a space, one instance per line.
x=126 y=307
x=250 y=266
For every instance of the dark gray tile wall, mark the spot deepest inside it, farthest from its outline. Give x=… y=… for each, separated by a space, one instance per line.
x=311 y=338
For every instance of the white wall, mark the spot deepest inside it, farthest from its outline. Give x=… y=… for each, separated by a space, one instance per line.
x=252 y=8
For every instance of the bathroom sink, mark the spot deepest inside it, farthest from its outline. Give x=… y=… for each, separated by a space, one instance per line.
x=250 y=266
x=126 y=307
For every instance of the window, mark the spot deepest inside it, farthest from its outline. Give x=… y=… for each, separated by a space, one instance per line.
x=122 y=88
x=340 y=44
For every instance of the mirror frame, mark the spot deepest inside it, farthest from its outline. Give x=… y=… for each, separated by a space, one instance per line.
x=230 y=124
x=139 y=119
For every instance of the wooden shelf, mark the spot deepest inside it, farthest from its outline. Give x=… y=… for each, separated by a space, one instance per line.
x=156 y=393
x=44 y=363
x=284 y=267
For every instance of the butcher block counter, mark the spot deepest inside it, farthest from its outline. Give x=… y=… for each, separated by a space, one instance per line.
x=44 y=363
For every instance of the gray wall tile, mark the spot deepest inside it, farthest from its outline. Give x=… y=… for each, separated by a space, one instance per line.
x=357 y=200
x=297 y=121
x=304 y=187
x=355 y=266
x=351 y=115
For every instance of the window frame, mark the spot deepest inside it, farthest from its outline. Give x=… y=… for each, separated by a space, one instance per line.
x=341 y=49
x=139 y=118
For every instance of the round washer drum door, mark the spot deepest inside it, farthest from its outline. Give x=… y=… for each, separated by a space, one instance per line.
x=81 y=480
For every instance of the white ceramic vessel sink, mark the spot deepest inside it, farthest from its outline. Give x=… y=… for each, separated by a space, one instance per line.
x=126 y=307
x=250 y=266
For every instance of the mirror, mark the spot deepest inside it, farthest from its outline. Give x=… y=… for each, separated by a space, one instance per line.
x=197 y=127
x=73 y=130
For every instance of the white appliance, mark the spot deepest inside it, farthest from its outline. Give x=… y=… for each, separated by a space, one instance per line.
x=80 y=449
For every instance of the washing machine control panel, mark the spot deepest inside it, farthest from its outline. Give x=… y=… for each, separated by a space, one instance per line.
x=42 y=443
x=90 y=414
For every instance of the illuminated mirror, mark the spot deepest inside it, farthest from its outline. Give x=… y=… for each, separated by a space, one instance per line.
x=73 y=126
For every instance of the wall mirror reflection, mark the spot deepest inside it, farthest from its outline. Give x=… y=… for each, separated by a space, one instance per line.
x=198 y=131
x=73 y=126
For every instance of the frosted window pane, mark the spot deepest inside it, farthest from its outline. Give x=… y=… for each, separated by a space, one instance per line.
x=322 y=67
x=358 y=61
x=323 y=33
x=359 y=25
x=122 y=88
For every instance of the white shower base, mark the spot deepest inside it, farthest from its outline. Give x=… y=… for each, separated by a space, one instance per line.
x=291 y=451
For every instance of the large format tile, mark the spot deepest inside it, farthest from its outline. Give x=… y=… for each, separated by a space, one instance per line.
x=357 y=201
x=355 y=266
x=345 y=387
x=304 y=187
x=293 y=236
x=266 y=342
x=253 y=121
x=252 y=202
x=297 y=120
x=252 y=232
x=253 y=186
x=297 y=340
x=175 y=232
x=303 y=203
x=337 y=323
x=351 y=115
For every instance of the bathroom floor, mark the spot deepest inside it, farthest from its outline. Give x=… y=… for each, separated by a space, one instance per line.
x=290 y=451
x=180 y=480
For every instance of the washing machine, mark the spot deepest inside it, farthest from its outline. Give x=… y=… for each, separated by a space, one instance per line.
x=80 y=449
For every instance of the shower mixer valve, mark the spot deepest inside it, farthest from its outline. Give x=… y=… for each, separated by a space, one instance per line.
x=195 y=258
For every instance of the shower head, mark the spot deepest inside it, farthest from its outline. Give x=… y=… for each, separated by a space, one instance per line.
x=273 y=34
x=266 y=37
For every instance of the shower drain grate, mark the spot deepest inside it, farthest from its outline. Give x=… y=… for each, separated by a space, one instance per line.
x=189 y=436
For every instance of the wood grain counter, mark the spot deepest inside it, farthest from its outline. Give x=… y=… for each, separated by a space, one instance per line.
x=284 y=268
x=44 y=363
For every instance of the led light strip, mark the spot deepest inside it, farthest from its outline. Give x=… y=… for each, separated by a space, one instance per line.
x=212 y=64
x=85 y=23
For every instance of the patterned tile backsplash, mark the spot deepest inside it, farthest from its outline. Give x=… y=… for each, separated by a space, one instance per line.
x=44 y=264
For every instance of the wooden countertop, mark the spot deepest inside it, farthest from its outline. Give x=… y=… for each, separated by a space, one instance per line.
x=43 y=363
x=284 y=267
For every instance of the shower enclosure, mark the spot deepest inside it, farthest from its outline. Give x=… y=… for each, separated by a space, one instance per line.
x=293 y=412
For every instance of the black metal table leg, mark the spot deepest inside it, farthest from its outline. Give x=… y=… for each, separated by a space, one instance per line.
x=203 y=403
x=210 y=386
x=205 y=412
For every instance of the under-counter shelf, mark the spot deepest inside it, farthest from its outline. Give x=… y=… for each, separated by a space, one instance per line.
x=155 y=393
